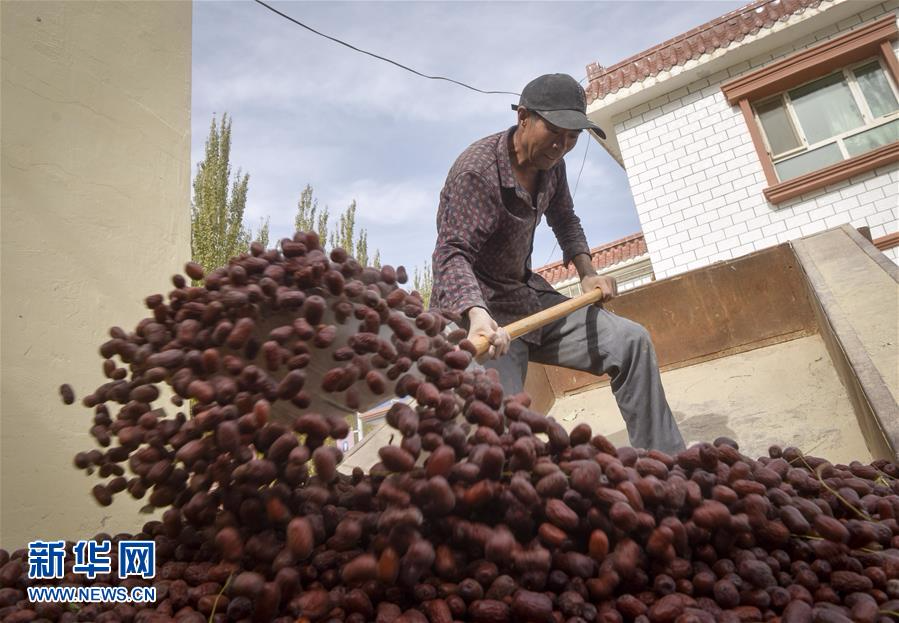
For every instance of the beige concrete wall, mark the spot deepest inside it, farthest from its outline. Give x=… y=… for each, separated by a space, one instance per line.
x=95 y=215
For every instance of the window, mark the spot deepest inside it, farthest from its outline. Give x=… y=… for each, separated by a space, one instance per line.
x=825 y=114
x=571 y=290
x=830 y=119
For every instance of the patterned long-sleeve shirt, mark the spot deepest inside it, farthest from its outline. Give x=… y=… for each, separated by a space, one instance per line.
x=485 y=233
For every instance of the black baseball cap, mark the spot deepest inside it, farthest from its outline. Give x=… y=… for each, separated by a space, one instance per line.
x=559 y=99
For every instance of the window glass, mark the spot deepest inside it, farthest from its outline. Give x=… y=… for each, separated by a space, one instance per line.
x=873 y=138
x=825 y=108
x=876 y=89
x=808 y=161
x=777 y=126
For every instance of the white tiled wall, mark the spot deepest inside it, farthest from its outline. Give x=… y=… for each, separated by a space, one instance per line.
x=633 y=283
x=697 y=180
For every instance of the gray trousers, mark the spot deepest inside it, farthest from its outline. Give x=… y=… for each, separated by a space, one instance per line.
x=595 y=340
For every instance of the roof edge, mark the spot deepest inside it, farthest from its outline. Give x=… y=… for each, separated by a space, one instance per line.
x=597 y=249
x=603 y=110
x=752 y=18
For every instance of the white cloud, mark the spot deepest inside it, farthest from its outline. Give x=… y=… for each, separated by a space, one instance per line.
x=399 y=216
x=306 y=110
x=391 y=203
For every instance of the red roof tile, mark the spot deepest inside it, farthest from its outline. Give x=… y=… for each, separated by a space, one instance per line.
x=714 y=35
x=601 y=257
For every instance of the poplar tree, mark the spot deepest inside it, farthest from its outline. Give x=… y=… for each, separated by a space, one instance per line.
x=422 y=281
x=311 y=217
x=262 y=236
x=217 y=227
x=344 y=235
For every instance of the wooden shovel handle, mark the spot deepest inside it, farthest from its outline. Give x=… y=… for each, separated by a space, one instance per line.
x=542 y=318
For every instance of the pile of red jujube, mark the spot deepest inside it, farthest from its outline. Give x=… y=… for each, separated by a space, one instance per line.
x=482 y=510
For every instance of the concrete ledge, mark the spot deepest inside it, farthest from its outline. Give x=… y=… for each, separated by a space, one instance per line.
x=873 y=251
x=854 y=292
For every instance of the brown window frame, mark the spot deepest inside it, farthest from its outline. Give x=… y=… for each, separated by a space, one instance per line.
x=887 y=242
x=869 y=41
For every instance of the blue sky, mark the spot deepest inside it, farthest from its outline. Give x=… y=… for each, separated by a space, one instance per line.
x=306 y=110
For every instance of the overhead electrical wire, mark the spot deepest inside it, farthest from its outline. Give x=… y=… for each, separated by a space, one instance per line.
x=379 y=57
x=574 y=194
x=422 y=75
x=583 y=162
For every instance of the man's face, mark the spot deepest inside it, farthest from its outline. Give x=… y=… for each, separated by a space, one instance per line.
x=544 y=144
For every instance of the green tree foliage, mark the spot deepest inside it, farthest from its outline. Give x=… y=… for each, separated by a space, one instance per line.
x=262 y=236
x=422 y=281
x=217 y=228
x=344 y=235
x=310 y=217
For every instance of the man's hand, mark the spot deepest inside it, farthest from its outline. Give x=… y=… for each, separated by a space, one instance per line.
x=481 y=324
x=607 y=284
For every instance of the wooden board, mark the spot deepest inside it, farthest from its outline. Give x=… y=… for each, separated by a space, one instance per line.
x=714 y=311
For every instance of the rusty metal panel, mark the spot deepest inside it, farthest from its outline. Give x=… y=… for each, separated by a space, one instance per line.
x=713 y=311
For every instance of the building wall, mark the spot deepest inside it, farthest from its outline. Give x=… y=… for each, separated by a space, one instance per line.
x=637 y=282
x=628 y=274
x=697 y=180
x=95 y=199
x=572 y=287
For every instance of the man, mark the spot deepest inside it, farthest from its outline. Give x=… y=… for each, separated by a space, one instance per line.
x=494 y=197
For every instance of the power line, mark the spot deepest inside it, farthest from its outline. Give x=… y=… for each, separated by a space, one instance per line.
x=583 y=162
x=422 y=75
x=382 y=58
x=573 y=195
